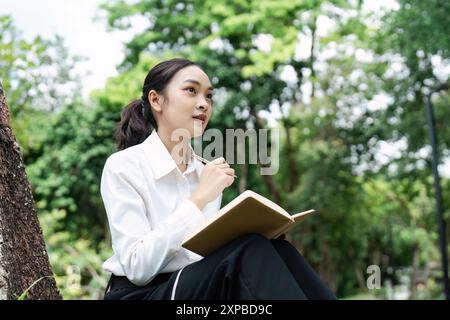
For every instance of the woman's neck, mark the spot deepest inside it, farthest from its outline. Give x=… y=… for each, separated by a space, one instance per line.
x=182 y=144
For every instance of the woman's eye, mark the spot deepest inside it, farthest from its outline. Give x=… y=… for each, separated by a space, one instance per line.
x=192 y=90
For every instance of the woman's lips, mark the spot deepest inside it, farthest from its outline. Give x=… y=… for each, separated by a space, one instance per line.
x=200 y=117
x=199 y=120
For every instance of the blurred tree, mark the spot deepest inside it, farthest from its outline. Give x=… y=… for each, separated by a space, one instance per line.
x=39 y=78
x=391 y=62
x=49 y=119
x=407 y=56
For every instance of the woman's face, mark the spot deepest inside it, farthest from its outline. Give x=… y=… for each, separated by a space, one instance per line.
x=189 y=95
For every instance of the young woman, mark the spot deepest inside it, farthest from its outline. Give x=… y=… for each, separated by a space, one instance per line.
x=154 y=198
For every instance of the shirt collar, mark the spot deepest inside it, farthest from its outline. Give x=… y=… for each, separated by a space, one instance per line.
x=160 y=159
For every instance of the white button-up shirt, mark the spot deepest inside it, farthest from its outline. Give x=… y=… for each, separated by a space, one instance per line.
x=149 y=214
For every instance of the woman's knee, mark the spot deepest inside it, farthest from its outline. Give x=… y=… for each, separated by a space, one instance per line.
x=284 y=245
x=286 y=249
x=253 y=238
x=254 y=244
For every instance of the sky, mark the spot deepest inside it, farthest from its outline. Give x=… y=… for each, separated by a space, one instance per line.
x=74 y=21
x=88 y=37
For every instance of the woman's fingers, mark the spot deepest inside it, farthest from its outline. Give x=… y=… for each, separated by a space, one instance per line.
x=223 y=166
x=229 y=171
x=218 y=161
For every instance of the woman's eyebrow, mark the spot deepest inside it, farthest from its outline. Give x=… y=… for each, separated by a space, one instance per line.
x=196 y=82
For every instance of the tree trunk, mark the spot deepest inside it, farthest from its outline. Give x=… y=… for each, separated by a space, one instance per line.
x=312 y=59
x=268 y=179
x=271 y=186
x=23 y=255
x=243 y=177
x=415 y=273
x=294 y=176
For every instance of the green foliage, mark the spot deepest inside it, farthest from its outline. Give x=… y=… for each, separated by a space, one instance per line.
x=36 y=76
x=76 y=262
x=74 y=147
x=409 y=40
x=420 y=25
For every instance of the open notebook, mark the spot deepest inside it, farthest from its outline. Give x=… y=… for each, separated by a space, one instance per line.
x=247 y=213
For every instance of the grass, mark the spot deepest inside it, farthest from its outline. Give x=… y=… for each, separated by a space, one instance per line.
x=24 y=295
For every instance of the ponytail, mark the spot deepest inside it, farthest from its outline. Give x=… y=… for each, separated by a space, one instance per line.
x=136 y=124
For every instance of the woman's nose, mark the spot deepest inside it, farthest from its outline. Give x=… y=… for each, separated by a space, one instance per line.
x=203 y=104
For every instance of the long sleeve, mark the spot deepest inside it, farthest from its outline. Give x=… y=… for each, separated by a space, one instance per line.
x=143 y=250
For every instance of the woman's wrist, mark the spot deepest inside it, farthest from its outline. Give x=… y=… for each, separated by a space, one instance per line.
x=198 y=200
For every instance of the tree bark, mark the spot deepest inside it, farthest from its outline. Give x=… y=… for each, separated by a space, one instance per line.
x=268 y=179
x=294 y=175
x=23 y=255
x=311 y=60
x=415 y=273
x=243 y=177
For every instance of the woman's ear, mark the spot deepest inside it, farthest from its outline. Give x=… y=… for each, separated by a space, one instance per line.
x=155 y=100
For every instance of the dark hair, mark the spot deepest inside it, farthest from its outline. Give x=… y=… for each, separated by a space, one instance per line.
x=137 y=121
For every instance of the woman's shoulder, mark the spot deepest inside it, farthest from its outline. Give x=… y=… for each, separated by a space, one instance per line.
x=123 y=159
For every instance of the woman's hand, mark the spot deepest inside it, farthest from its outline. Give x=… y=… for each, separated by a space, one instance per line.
x=216 y=176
